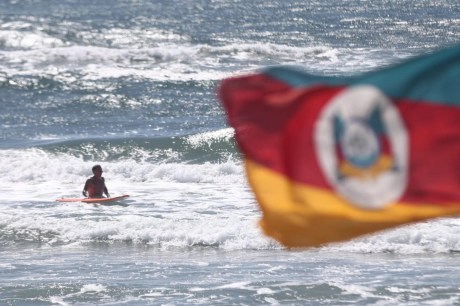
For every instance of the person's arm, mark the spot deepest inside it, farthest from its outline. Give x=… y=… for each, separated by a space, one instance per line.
x=85 y=190
x=105 y=189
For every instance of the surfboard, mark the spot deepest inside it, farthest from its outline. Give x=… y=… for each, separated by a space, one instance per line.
x=93 y=200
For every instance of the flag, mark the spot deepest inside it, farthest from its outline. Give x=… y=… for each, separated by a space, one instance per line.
x=333 y=158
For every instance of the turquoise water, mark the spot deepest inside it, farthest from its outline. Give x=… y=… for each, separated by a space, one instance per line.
x=131 y=85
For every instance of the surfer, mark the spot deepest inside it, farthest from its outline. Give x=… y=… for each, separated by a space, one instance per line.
x=95 y=186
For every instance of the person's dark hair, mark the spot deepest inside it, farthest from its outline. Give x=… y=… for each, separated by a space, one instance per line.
x=97 y=168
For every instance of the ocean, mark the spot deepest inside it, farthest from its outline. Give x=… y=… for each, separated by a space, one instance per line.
x=131 y=85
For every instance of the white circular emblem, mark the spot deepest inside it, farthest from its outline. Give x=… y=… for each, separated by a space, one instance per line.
x=361 y=145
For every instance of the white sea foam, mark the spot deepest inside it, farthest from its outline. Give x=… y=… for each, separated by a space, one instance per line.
x=28 y=40
x=58 y=300
x=93 y=288
x=168 y=56
x=210 y=137
x=434 y=236
x=171 y=205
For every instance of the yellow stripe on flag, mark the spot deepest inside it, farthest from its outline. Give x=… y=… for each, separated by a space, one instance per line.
x=298 y=215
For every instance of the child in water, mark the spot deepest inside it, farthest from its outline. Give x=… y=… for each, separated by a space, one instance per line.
x=95 y=186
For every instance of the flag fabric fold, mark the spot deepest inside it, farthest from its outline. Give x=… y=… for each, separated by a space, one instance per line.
x=333 y=158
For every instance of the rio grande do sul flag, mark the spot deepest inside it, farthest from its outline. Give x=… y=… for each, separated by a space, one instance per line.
x=332 y=158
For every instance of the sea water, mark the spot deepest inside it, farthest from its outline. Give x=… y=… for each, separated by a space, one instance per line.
x=131 y=85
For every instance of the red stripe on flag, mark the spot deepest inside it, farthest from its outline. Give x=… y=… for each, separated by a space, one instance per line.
x=434 y=152
x=275 y=128
x=262 y=111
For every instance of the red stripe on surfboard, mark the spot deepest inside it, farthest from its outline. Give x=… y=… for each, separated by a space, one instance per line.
x=92 y=200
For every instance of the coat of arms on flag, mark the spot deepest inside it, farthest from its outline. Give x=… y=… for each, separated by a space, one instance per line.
x=361 y=146
x=332 y=158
